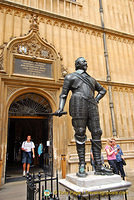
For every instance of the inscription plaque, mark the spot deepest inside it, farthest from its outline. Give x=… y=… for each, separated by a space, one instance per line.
x=32 y=68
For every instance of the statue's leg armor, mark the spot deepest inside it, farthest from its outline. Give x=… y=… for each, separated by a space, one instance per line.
x=96 y=149
x=78 y=111
x=94 y=127
x=81 y=154
x=80 y=138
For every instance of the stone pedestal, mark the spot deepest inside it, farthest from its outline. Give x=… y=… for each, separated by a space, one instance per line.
x=95 y=187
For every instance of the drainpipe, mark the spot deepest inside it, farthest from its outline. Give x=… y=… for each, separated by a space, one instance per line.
x=108 y=78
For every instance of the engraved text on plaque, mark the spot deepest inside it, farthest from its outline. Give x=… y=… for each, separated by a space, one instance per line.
x=32 y=68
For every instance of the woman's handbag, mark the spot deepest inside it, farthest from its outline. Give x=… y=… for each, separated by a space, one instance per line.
x=123 y=161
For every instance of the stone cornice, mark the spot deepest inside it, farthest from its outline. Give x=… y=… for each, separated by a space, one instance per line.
x=117 y=84
x=19 y=80
x=68 y=20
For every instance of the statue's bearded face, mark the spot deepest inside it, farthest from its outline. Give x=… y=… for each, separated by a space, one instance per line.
x=81 y=63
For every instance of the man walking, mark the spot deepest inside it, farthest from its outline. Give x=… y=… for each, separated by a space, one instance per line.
x=28 y=152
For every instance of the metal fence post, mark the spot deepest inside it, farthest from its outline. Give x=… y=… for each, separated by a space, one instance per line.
x=39 y=177
x=34 y=187
x=30 y=188
x=125 y=195
x=27 y=188
x=57 y=185
x=42 y=192
x=109 y=196
x=79 y=197
x=51 y=184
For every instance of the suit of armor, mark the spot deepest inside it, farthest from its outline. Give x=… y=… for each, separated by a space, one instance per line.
x=84 y=111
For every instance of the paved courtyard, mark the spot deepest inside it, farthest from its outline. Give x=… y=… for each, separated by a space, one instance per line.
x=17 y=190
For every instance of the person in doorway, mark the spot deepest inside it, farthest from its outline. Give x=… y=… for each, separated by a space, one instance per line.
x=28 y=152
x=17 y=149
x=92 y=160
x=111 y=156
x=119 y=157
x=40 y=154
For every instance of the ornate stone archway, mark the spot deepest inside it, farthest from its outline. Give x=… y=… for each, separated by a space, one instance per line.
x=29 y=104
x=30 y=107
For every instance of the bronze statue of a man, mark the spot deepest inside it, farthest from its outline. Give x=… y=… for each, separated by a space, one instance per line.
x=84 y=111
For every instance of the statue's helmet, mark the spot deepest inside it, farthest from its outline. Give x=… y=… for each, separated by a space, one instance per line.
x=81 y=63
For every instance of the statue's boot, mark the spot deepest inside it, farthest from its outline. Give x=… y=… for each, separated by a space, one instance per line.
x=99 y=169
x=81 y=154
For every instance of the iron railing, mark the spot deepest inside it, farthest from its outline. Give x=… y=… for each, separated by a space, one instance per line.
x=40 y=187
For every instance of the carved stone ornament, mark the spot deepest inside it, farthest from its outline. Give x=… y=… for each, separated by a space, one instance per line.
x=33 y=45
x=11 y=90
x=34 y=22
x=1 y=62
x=64 y=70
x=33 y=48
x=1 y=56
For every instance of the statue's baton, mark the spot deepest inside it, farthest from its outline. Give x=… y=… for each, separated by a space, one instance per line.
x=55 y=114
x=59 y=114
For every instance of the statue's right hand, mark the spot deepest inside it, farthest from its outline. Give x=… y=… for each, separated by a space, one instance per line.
x=58 y=113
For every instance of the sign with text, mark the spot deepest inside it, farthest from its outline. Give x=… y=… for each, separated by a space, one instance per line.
x=32 y=68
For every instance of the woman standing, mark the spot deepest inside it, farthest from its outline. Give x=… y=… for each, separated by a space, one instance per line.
x=119 y=157
x=111 y=156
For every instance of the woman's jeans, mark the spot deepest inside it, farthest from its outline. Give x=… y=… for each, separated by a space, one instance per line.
x=113 y=165
x=120 y=168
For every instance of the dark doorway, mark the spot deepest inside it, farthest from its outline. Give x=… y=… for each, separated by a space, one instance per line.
x=18 y=131
x=27 y=117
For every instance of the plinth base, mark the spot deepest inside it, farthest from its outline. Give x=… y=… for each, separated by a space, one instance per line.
x=81 y=175
x=95 y=185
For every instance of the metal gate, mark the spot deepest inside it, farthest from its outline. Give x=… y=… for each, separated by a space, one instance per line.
x=41 y=188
